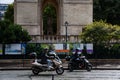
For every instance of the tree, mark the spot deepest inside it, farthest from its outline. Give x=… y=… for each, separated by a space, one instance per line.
x=12 y=33
x=107 y=10
x=9 y=14
x=104 y=37
x=101 y=34
x=96 y=33
x=116 y=33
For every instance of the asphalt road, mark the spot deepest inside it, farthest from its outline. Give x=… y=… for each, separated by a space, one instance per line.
x=75 y=75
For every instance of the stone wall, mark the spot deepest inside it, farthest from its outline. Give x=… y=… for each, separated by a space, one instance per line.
x=26 y=14
x=78 y=13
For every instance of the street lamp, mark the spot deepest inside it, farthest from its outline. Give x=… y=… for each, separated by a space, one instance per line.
x=66 y=24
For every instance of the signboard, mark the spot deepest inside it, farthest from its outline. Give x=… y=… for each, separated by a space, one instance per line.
x=13 y=49
x=1 y=49
x=89 y=48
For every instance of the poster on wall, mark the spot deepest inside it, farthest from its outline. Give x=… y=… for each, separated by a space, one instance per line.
x=61 y=47
x=1 y=49
x=13 y=49
x=23 y=48
x=58 y=46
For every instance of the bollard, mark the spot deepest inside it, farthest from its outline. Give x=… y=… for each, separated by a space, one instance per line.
x=52 y=77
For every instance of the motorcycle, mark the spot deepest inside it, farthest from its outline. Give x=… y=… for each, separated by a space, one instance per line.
x=37 y=65
x=80 y=63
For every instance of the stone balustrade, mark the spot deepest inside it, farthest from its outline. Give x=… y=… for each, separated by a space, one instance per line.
x=54 y=38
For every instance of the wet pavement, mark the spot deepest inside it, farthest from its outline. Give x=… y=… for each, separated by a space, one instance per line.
x=75 y=75
x=65 y=66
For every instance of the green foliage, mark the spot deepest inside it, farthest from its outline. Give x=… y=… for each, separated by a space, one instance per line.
x=49 y=12
x=96 y=33
x=9 y=14
x=12 y=33
x=107 y=10
x=38 y=48
x=34 y=47
x=101 y=34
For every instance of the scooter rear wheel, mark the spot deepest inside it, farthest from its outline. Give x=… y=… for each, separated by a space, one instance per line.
x=35 y=71
x=60 y=71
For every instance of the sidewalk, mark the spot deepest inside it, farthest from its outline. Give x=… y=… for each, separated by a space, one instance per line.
x=25 y=64
x=107 y=67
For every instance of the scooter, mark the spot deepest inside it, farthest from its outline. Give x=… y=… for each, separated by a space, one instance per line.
x=80 y=63
x=37 y=66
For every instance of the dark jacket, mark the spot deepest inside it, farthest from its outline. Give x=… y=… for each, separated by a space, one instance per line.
x=44 y=58
x=74 y=56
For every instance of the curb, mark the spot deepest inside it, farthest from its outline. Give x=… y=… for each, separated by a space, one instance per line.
x=28 y=68
x=16 y=68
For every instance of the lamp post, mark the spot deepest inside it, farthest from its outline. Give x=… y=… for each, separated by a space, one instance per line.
x=66 y=25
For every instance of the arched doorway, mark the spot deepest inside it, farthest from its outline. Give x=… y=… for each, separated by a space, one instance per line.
x=49 y=20
x=50 y=17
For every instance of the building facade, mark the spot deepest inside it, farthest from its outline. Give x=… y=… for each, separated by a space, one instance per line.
x=31 y=15
x=3 y=8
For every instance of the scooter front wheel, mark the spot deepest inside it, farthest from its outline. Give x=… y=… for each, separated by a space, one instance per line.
x=89 y=67
x=60 y=71
x=70 y=68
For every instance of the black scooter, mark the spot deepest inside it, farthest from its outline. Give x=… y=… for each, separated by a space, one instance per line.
x=80 y=63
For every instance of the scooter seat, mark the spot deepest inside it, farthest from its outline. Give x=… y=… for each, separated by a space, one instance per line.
x=39 y=61
x=36 y=64
x=43 y=62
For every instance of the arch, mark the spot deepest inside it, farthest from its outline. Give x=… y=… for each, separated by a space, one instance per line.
x=54 y=29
